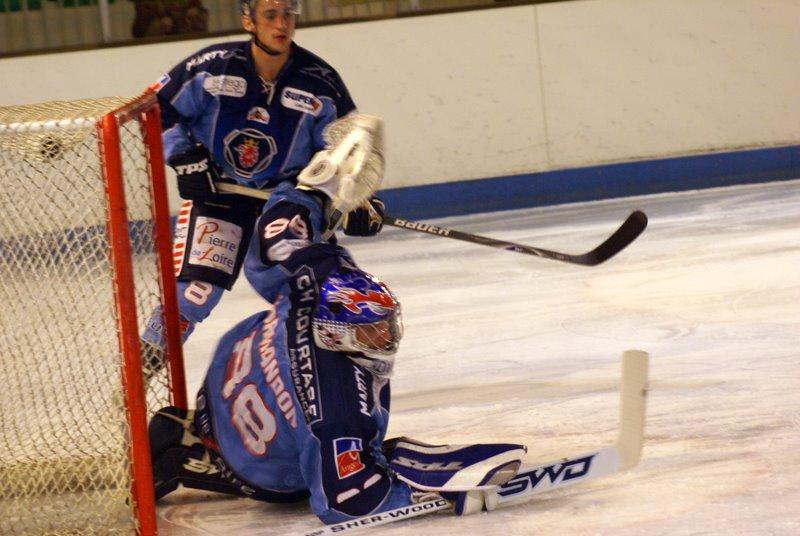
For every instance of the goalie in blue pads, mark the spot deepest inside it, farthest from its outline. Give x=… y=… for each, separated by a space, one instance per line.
x=295 y=406
x=295 y=403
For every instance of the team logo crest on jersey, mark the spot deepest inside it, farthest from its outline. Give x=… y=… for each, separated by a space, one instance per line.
x=258 y=114
x=249 y=151
x=347 y=451
x=302 y=101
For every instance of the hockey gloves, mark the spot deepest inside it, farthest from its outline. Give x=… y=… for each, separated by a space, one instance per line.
x=366 y=220
x=196 y=174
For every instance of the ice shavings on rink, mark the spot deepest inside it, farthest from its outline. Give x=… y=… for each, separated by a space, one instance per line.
x=505 y=347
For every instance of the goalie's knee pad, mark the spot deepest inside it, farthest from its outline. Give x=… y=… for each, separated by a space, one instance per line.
x=180 y=458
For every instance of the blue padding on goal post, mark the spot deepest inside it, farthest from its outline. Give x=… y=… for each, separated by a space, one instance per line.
x=594 y=183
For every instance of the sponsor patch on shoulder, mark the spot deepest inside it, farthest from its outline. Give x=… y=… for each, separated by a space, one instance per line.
x=302 y=101
x=230 y=86
x=348 y=456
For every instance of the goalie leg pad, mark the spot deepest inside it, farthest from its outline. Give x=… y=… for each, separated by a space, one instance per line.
x=453 y=467
x=468 y=503
x=179 y=457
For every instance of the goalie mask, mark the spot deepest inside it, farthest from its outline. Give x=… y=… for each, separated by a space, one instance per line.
x=357 y=314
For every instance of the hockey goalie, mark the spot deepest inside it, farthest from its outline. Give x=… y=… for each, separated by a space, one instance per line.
x=295 y=403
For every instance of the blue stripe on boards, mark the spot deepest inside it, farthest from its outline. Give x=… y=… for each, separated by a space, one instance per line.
x=594 y=183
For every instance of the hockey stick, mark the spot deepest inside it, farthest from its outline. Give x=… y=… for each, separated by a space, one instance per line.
x=631 y=228
x=389 y=516
x=623 y=455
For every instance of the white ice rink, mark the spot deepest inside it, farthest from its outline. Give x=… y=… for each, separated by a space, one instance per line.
x=504 y=347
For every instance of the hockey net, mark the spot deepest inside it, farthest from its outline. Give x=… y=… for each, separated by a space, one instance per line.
x=84 y=254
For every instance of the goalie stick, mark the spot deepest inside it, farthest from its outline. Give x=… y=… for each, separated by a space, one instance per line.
x=621 y=456
x=630 y=229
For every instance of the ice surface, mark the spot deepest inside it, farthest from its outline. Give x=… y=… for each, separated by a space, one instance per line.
x=501 y=346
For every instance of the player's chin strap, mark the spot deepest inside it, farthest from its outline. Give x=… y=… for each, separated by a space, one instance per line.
x=350 y=170
x=263 y=46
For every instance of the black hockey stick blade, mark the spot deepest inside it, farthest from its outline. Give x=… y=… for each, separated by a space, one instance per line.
x=630 y=229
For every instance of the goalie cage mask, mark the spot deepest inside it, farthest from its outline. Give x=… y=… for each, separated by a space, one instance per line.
x=358 y=315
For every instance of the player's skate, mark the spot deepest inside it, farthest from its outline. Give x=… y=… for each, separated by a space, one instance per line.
x=179 y=457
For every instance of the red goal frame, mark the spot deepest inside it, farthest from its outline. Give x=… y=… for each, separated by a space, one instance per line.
x=145 y=111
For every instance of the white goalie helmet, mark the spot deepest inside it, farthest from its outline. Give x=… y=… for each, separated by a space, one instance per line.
x=358 y=315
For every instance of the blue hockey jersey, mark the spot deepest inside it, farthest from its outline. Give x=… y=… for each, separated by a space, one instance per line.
x=258 y=133
x=285 y=414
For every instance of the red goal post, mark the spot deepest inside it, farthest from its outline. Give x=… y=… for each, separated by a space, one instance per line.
x=85 y=259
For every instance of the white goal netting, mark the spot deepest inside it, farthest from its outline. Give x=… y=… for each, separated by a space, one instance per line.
x=65 y=435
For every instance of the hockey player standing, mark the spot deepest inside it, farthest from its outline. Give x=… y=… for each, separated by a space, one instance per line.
x=253 y=113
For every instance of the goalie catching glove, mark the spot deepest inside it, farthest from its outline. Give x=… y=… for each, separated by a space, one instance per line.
x=350 y=170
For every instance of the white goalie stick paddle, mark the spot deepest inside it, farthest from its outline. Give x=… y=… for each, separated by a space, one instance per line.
x=627 y=232
x=621 y=456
